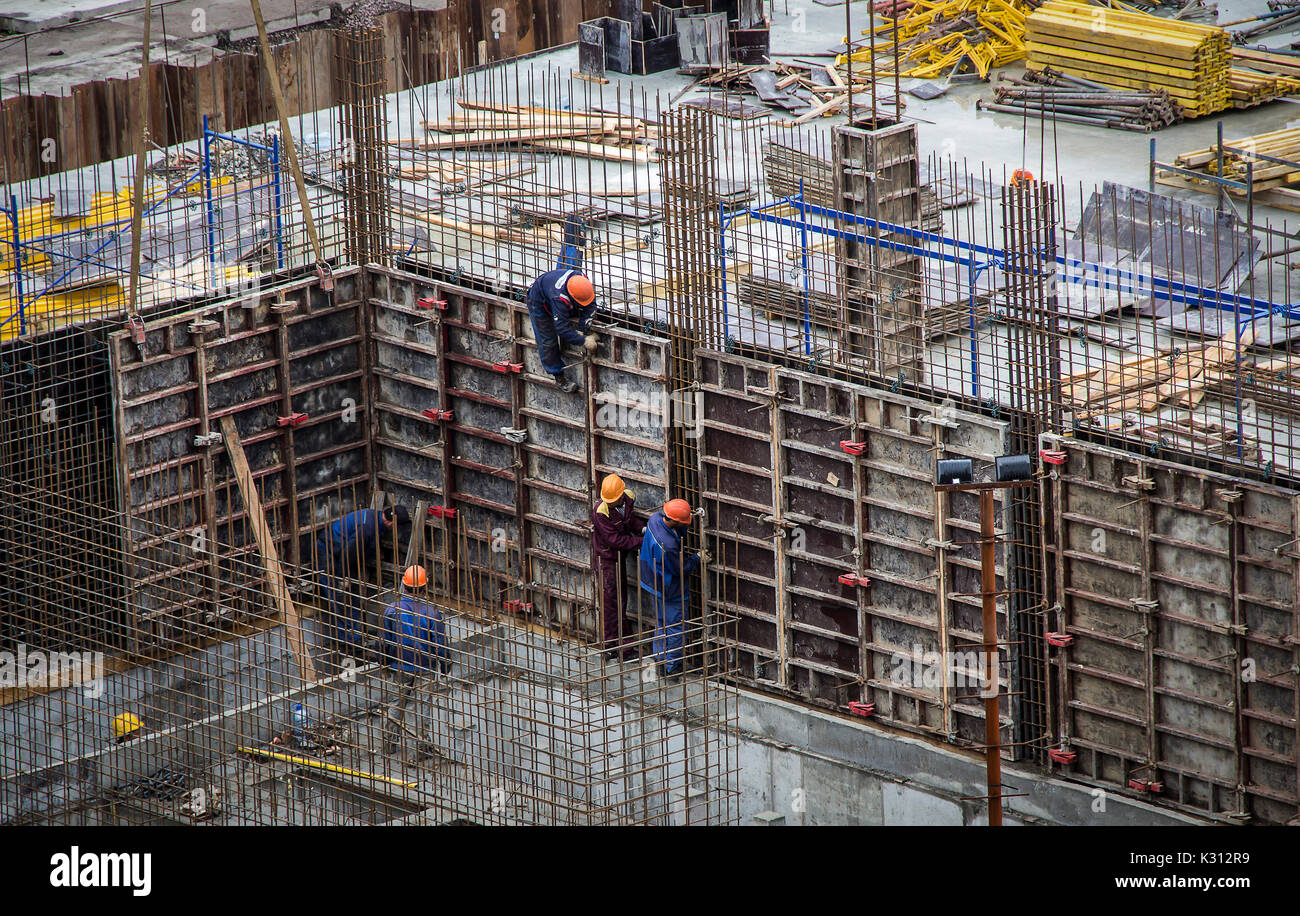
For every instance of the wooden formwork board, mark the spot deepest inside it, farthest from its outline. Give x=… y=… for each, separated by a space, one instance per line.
x=790 y=511
x=189 y=554
x=1179 y=589
x=523 y=508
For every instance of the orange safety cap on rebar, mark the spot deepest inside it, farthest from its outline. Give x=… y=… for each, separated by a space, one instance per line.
x=580 y=288
x=679 y=510
x=611 y=488
x=415 y=577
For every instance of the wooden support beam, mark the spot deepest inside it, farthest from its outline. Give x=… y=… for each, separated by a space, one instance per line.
x=266 y=544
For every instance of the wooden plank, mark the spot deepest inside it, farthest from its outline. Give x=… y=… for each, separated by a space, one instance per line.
x=266 y=544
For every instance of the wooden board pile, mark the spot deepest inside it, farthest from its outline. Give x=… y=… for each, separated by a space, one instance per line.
x=1261 y=76
x=1124 y=50
x=1266 y=174
x=1049 y=93
x=791 y=170
x=805 y=89
x=946 y=37
x=592 y=135
x=1151 y=381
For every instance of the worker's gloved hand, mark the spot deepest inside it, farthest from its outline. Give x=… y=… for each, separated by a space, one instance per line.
x=590 y=343
x=706 y=557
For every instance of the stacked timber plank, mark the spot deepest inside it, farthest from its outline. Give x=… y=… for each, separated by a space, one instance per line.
x=592 y=135
x=1189 y=61
x=1152 y=381
x=1266 y=174
x=1261 y=76
x=1049 y=93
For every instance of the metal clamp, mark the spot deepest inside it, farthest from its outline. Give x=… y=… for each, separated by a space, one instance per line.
x=207 y=440
x=517 y=436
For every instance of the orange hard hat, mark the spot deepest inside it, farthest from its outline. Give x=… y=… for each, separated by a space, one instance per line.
x=415 y=577
x=580 y=288
x=611 y=488
x=679 y=510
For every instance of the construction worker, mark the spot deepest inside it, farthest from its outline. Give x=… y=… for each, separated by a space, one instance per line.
x=126 y=726
x=561 y=304
x=414 y=643
x=343 y=551
x=615 y=529
x=664 y=568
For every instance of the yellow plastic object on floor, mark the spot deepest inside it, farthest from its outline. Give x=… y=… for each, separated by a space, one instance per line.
x=936 y=36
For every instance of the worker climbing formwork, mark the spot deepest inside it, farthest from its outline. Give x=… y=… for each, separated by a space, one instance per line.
x=562 y=307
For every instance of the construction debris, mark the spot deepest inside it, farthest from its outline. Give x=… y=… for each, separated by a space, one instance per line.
x=1049 y=93
x=1124 y=50
x=593 y=135
x=1151 y=381
x=947 y=37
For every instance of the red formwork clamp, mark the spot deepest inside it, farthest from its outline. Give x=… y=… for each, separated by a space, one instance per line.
x=433 y=413
x=1053 y=455
x=518 y=605
x=1062 y=755
x=294 y=419
x=136 y=325
x=326 y=276
x=508 y=367
x=1060 y=640
x=852 y=447
x=428 y=302
x=862 y=709
x=1141 y=784
x=442 y=512
x=855 y=580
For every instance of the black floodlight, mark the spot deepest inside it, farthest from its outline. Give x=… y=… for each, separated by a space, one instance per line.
x=1012 y=467
x=955 y=470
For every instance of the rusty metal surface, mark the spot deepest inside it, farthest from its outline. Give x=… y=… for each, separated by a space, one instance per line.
x=1179 y=588
x=295 y=349
x=793 y=511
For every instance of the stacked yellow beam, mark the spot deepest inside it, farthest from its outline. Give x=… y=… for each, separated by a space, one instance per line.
x=1130 y=50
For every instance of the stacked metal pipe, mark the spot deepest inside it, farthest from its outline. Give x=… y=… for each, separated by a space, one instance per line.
x=1051 y=94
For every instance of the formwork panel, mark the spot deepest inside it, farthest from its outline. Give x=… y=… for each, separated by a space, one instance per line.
x=1176 y=588
x=519 y=460
x=807 y=480
x=259 y=359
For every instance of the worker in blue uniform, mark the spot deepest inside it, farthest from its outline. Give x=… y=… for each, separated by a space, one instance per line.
x=414 y=643
x=664 y=568
x=561 y=305
x=344 y=550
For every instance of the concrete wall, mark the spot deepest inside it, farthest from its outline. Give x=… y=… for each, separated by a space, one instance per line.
x=801 y=766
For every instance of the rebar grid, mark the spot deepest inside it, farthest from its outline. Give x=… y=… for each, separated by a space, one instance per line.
x=1016 y=319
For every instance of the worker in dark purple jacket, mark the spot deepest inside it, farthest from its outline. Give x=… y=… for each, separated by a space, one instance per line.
x=615 y=530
